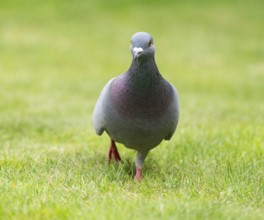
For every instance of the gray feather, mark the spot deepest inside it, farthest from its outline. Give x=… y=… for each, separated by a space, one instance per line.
x=138 y=108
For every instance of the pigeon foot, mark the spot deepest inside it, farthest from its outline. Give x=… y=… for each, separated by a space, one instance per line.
x=138 y=176
x=113 y=152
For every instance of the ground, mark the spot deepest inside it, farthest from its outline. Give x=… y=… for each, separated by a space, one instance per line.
x=56 y=56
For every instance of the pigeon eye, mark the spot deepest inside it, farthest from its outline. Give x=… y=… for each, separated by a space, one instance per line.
x=150 y=43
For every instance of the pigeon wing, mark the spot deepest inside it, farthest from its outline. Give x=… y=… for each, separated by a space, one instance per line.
x=99 y=110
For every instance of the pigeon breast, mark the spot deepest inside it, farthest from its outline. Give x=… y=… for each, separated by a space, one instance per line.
x=134 y=101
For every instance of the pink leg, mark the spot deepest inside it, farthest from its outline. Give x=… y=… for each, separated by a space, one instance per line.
x=141 y=156
x=113 y=152
x=138 y=176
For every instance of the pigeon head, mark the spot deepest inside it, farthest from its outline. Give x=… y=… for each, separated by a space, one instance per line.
x=142 y=45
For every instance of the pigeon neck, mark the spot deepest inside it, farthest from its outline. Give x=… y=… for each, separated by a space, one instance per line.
x=144 y=69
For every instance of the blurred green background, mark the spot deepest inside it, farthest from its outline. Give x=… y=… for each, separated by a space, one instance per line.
x=56 y=56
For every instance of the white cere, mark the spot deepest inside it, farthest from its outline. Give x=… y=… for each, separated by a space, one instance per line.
x=137 y=49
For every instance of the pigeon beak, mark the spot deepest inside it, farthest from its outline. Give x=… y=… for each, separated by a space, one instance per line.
x=137 y=51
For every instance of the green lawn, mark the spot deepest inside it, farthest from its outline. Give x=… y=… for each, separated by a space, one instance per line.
x=56 y=56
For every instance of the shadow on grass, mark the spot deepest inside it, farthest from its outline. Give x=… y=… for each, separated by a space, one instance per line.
x=93 y=167
x=68 y=166
x=96 y=167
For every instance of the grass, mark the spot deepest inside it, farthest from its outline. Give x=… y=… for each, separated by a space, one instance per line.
x=55 y=57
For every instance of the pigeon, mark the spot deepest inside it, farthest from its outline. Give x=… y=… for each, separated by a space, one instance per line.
x=138 y=108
